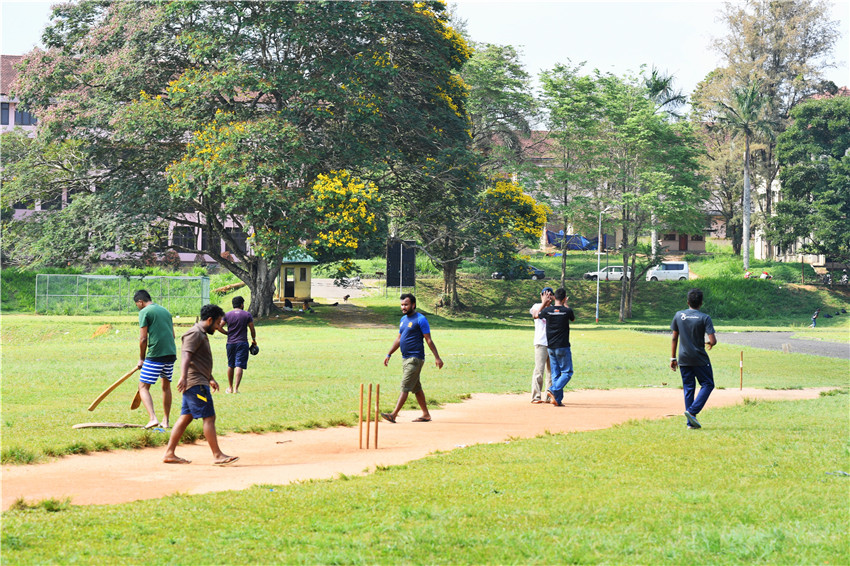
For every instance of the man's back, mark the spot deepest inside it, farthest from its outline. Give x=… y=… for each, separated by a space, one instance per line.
x=558 y=319
x=160 y=331
x=237 y=325
x=692 y=326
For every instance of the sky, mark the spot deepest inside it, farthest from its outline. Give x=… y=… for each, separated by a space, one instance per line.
x=675 y=36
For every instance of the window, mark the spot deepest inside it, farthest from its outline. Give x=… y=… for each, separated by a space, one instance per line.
x=4 y=113
x=239 y=237
x=303 y=274
x=24 y=118
x=670 y=237
x=697 y=238
x=673 y=267
x=184 y=236
x=205 y=241
x=54 y=203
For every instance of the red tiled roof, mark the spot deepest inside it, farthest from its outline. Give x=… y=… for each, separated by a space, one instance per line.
x=842 y=91
x=8 y=71
x=539 y=145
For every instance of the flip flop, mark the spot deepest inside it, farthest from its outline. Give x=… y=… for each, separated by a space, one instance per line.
x=422 y=420
x=388 y=417
x=229 y=460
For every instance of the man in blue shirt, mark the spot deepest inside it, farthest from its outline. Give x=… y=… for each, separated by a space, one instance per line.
x=412 y=330
x=689 y=328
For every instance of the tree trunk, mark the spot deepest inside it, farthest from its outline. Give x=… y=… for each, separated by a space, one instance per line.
x=450 y=298
x=632 y=287
x=261 y=283
x=564 y=246
x=563 y=262
x=624 y=285
x=745 y=240
x=769 y=202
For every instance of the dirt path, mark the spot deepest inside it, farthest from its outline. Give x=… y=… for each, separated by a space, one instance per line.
x=281 y=458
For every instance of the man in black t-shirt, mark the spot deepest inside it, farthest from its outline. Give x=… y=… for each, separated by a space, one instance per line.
x=689 y=328
x=558 y=319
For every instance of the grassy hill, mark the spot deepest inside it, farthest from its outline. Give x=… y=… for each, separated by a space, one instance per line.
x=743 y=302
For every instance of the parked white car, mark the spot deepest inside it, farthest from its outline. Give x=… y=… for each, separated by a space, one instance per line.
x=669 y=270
x=610 y=273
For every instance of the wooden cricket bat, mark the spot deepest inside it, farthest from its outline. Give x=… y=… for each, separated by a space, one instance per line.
x=111 y=388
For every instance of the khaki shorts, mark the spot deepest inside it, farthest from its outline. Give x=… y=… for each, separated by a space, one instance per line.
x=411 y=368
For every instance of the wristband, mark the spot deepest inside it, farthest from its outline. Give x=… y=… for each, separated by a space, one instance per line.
x=389 y=355
x=672 y=359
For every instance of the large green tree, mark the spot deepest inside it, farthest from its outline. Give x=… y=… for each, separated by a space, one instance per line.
x=575 y=143
x=786 y=46
x=814 y=153
x=721 y=166
x=210 y=114
x=500 y=104
x=650 y=171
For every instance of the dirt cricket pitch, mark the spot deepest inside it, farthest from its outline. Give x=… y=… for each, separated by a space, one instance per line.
x=282 y=458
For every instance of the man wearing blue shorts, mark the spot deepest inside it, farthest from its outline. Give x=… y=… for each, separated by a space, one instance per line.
x=412 y=330
x=238 y=322
x=196 y=383
x=157 y=354
x=689 y=328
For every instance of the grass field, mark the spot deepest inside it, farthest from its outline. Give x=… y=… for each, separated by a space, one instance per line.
x=309 y=370
x=764 y=486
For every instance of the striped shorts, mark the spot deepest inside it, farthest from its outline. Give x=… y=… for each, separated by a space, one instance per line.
x=151 y=371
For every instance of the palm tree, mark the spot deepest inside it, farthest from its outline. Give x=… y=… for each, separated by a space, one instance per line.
x=743 y=116
x=659 y=88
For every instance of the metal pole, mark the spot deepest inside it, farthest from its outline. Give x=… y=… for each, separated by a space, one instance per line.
x=400 y=264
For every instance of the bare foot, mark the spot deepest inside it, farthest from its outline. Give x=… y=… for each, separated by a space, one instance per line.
x=152 y=424
x=228 y=390
x=175 y=460
x=225 y=459
x=164 y=424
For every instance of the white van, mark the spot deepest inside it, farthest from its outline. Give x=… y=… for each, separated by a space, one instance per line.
x=673 y=270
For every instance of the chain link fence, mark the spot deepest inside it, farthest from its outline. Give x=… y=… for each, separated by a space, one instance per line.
x=113 y=294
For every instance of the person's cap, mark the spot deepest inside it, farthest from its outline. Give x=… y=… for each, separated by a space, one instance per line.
x=545 y=289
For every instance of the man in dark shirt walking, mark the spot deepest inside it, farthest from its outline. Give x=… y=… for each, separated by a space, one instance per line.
x=689 y=328
x=558 y=317
x=238 y=322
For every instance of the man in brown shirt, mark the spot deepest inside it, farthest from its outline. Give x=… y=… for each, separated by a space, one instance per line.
x=197 y=384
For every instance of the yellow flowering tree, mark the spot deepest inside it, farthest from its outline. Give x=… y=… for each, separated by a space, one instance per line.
x=510 y=219
x=244 y=114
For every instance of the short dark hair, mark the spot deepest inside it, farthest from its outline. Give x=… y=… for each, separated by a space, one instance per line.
x=560 y=295
x=142 y=295
x=211 y=311
x=409 y=296
x=238 y=302
x=695 y=298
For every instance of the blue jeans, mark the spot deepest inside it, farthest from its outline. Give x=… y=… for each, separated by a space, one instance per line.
x=561 y=362
x=691 y=374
